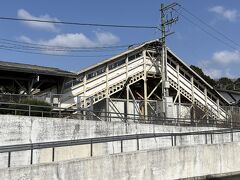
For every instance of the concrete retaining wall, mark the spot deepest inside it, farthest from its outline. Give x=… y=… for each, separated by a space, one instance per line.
x=164 y=163
x=20 y=129
x=24 y=129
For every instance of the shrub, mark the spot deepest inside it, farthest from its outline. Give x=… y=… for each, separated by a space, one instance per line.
x=23 y=108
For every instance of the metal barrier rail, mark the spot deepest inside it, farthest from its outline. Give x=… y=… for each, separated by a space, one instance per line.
x=34 y=146
x=30 y=110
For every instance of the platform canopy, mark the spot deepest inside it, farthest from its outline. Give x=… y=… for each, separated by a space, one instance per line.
x=25 y=78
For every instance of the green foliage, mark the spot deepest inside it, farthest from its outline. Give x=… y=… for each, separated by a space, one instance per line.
x=35 y=102
x=225 y=83
x=208 y=79
x=36 y=107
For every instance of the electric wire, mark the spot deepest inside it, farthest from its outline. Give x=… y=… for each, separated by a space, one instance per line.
x=80 y=24
x=209 y=26
x=207 y=32
x=24 y=47
x=35 y=48
x=51 y=54
x=68 y=47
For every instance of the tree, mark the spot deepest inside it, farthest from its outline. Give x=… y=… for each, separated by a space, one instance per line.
x=199 y=71
x=225 y=83
x=237 y=84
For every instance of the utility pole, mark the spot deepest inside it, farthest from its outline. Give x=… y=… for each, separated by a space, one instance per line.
x=167 y=19
x=165 y=11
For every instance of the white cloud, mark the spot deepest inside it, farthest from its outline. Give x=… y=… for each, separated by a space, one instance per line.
x=229 y=14
x=23 y=14
x=106 y=38
x=226 y=57
x=221 y=64
x=69 y=40
x=213 y=73
x=78 y=40
x=25 y=39
x=218 y=73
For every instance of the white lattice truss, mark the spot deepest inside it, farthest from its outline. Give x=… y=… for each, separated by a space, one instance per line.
x=110 y=76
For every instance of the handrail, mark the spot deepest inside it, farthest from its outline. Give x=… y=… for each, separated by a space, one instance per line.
x=199 y=91
x=54 y=144
x=101 y=83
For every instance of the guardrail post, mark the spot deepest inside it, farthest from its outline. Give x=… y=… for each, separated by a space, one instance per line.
x=137 y=143
x=211 y=138
x=121 y=146
x=175 y=140
x=231 y=135
x=9 y=158
x=53 y=154
x=91 y=148
x=172 y=140
x=206 y=138
x=29 y=110
x=31 y=158
x=59 y=113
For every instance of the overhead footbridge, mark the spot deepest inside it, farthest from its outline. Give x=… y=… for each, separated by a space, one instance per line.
x=136 y=75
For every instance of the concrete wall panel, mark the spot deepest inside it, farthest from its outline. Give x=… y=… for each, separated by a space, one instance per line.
x=164 y=163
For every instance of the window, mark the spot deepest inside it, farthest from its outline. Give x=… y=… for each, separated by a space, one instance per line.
x=209 y=95
x=77 y=81
x=214 y=99
x=181 y=72
x=187 y=77
x=95 y=73
x=116 y=64
x=138 y=55
x=201 y=88
x=195 y=83
x=173 y=65
x=130 y=58
x=134 y=56
x=198 y=86
x=73 y=82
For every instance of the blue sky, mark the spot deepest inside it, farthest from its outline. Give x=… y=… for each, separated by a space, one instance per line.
x=189 y=42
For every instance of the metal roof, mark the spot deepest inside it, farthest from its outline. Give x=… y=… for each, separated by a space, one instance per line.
x=34 y=69
x=232 y=96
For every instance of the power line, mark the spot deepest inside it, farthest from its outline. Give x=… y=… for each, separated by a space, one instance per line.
x=210 y=34
x=68 y=47
x=80 y=24
x=209 y=26
x=49 y=54
x=26 y=47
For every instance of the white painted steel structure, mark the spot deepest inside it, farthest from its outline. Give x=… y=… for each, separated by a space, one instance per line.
x=140 y=63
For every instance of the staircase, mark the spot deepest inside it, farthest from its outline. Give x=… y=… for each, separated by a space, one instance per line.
x=96 y=89
x=98 y=96
x=185 y=88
